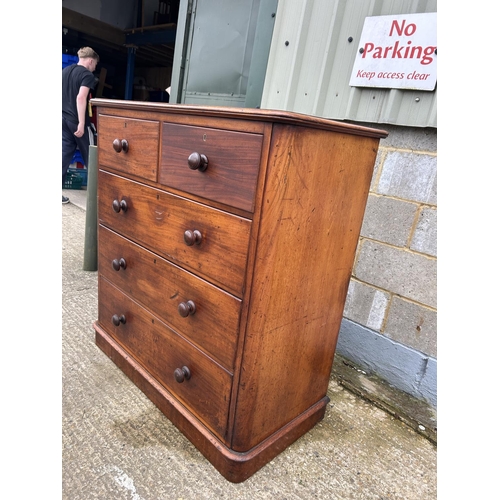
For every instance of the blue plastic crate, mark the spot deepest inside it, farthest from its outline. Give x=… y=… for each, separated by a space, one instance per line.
x=77 y=157
x=68 y=60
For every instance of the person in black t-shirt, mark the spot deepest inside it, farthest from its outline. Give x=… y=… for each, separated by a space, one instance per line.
x=77 y=82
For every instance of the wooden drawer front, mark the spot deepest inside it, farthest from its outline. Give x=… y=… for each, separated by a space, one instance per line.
x=142 y=137
x=161 y=351
x=163 y=287
x=159 y=220
x=233 y=163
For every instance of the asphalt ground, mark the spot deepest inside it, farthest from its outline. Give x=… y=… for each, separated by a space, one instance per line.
x=117 y=445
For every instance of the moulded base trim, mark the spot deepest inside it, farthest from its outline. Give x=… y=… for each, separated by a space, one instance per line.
x=234 y=466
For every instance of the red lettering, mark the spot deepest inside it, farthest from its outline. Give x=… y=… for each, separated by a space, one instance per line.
x=395 y=25
x=425 y=54
x=408 y=31
x=389 y=75
x=367 y=48
x=418 y=76
x=396 y=53
x=365 y=74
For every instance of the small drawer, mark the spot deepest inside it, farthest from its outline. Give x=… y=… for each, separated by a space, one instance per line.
x=188 y=304
x=210 y=243
x=218 y=165
x=199 y=383
x=129 y=145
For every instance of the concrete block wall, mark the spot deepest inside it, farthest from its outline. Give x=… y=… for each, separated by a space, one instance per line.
x=392 y=297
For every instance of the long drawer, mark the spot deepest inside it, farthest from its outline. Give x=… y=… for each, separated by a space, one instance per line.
x=219 y=165
x=211 y=243
x=199 y=383
x=188 y=304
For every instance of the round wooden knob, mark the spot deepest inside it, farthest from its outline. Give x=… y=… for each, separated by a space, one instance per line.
x=120 y=205
x=186 y=308
x=119 y=264
x=182 y=374
x=118 y=320
x=192 y=237
x=197 y=161
x=120 y=145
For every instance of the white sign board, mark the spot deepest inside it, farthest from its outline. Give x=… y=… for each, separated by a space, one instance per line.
x=398 y=52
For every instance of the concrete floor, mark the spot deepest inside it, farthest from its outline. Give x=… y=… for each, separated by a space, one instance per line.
x=118 y=445
x=77 y=197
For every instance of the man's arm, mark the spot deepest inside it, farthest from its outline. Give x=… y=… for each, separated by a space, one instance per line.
x=81 y=105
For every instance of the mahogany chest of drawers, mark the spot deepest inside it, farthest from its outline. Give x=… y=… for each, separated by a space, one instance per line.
x=225 y=246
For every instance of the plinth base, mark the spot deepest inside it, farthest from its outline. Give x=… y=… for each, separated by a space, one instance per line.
x=235 y=467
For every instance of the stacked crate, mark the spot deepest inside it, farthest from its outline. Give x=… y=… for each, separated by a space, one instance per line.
x=68 y=60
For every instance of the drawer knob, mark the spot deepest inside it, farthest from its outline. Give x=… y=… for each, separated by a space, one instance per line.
x=186 y=308
x=119 y=205
x=197 y=161
x=182 y=374
x=118 y=320
x=120 y=145
x=119 y=264
x=192 y=237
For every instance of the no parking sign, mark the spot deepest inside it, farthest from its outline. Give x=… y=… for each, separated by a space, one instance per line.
x=397 y=52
